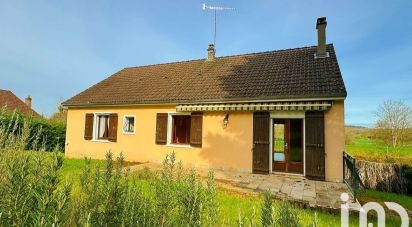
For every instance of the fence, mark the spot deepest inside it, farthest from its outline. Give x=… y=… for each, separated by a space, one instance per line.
x=351 y=174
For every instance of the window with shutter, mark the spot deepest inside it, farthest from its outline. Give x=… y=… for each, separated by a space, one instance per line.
x=161 y=128
x=88 y=127
x=113 y=119
x=196 y=129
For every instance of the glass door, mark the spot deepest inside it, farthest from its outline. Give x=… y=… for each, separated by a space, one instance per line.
x=287 y=145
x=279 y=144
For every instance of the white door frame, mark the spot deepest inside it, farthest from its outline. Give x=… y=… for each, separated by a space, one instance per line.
x=287 y=115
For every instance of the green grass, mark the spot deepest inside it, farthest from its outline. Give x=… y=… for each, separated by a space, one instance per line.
x=230 y=203
x=374 y=150
x=72 y=169
x=380 y=197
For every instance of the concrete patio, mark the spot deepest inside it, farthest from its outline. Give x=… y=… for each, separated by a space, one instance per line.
x=297 y=189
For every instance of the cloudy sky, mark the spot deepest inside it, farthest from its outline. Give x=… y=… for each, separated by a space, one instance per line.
x=52 y=50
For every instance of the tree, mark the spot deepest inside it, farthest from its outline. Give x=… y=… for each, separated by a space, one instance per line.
x=59 y=116
x=395 y=118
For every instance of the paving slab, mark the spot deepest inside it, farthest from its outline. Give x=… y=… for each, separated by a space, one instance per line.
x=317 y=194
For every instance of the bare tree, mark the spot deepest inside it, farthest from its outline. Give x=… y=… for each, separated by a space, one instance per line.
x=395 y=117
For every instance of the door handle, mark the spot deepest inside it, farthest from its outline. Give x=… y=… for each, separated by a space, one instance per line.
x=286 y=145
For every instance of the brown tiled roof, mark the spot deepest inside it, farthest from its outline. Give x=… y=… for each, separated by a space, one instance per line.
x=272 y=75
x=11 y=102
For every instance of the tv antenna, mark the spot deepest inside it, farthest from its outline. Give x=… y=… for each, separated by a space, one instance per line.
x=215 y=9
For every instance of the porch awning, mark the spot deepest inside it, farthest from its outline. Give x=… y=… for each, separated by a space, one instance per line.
x=261 y=106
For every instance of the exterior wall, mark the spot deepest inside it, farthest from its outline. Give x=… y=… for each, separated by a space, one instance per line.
x=334 y=141
x=221 y=148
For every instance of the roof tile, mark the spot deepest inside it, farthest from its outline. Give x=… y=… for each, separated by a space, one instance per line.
x=291 y=73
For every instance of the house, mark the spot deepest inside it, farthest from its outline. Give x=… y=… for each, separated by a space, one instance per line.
x=275 y=111
x=10 y=102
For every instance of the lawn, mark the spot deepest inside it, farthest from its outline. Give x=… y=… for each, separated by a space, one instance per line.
x=380 y=197
x=374 y=150
x=231 y=204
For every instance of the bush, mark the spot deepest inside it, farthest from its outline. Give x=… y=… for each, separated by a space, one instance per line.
x=108 y=197
x=30 y=190
x=33 y=195
x=286 y=216
x=349 y=135
x=267 y=210
x=42 y=134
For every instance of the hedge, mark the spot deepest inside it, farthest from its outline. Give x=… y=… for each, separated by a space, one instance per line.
x=52 y=135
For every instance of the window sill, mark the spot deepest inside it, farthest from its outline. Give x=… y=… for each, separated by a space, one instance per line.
x=99 y=140
x=128 y=133
x=178 y=145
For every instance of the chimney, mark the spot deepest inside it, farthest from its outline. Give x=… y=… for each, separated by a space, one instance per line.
x=321 y=27
x=28 y=101
x=211 y=52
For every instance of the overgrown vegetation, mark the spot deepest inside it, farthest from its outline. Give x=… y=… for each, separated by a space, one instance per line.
x=41 y=133
x=34 y=192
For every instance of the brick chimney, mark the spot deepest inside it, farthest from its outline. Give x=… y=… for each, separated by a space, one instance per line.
x=211 y=52
x=321 y=27
x=28 y=101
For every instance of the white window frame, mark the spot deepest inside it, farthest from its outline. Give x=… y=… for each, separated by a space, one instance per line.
x=134 y=127
x=96 y=125
x=169 y=129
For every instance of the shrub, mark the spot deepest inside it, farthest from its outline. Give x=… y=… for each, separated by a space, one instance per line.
x=42 y=134
x=286 y=216
x=30 y=189
x=109 y=197
x=267 y=210
x=350 y=135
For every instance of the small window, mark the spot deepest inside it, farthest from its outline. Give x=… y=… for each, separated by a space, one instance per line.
x=128 y=124
x=180 y=129
x=102 y=127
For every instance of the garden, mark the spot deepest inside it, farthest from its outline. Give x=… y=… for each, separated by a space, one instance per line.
x=42 y=188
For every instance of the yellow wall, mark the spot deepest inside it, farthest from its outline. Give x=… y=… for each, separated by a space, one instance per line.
x=226 y=148
x=222 y=148
x=334 y=141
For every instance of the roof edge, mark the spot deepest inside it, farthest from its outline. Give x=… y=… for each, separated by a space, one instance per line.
x=331 y=98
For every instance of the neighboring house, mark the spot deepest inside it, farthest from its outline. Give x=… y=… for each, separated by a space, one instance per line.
x=10 y=102
x=275 y=111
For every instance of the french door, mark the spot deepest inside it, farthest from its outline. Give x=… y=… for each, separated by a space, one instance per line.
x=287 y=145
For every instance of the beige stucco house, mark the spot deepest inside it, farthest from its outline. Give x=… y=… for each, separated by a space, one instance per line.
x=275 y=111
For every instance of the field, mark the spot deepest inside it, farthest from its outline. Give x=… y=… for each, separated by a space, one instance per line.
x=231 y=204
x=375 y=150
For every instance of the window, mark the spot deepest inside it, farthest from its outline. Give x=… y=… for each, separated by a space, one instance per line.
x=102 y=127
x=128 y=124
x=181 y=129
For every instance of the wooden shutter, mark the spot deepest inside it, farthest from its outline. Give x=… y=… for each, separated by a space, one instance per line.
x=113 y=119
x=196 y=125
x=315 y=144
x=261 y=124
x=161 y=128
x=88 y=126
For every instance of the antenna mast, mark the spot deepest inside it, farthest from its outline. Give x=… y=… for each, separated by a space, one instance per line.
x=215 y=9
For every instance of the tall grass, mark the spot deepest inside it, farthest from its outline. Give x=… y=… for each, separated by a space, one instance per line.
x=32 y=194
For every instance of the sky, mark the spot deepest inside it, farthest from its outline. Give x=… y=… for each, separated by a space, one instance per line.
x=52 y=50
